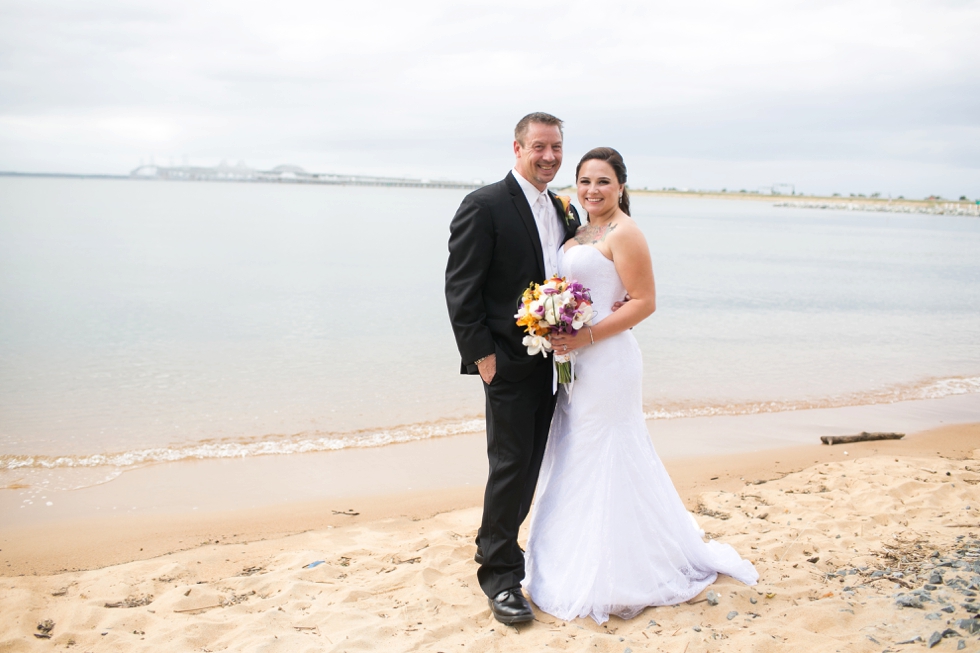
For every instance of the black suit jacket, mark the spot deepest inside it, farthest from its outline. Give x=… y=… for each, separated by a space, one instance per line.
x=494 y=254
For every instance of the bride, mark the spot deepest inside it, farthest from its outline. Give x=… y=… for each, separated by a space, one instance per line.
x=609 y=534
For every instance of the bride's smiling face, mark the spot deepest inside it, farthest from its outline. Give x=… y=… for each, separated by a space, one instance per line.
x=598 y=188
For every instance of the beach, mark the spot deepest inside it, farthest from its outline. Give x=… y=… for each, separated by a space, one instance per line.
x=250 y=255
x=224 y=428
x=838 y=533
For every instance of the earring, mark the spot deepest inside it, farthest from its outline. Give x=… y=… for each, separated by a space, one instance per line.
x=620 y=197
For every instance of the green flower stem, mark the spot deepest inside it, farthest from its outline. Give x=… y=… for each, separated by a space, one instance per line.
x=564 y=372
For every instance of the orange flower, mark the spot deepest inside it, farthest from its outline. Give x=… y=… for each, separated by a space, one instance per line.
x=566 y=207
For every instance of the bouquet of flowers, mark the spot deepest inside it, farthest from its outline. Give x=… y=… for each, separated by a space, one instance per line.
x=555 y=306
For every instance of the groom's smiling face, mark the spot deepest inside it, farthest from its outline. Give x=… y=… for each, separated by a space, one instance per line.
x=539 y=157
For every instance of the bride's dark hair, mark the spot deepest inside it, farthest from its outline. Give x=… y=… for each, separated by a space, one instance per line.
x=614 y=159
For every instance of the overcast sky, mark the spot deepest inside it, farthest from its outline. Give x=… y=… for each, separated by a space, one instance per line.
x=856 y=96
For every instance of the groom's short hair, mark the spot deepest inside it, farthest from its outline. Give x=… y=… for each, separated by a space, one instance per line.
x=538 y=116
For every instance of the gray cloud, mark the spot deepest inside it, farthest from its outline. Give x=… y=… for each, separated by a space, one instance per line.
x=838 y=94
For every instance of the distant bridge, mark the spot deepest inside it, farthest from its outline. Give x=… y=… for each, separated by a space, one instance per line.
x=287 y=174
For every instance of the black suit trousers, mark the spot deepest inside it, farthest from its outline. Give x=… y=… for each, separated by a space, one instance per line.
x=518 y=419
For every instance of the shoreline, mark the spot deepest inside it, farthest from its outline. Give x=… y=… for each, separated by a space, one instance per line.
x=941 y=206
x=775 y=198
x=81 y=536
x=213 y=485
x=924 y=205
x=821 y=527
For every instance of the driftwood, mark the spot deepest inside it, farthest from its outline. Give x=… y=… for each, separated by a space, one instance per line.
x=864 y=436
x=200 y=609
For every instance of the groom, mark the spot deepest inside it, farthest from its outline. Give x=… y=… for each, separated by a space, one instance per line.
x=504 y=237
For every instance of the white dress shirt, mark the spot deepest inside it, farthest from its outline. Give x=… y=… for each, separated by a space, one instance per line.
x=547 y=220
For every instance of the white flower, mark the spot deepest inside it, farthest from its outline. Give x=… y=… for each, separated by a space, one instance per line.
x=537 y=345
x=551 y=307
x=583 y=316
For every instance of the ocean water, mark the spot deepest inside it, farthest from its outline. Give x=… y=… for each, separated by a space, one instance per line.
x=147 y=321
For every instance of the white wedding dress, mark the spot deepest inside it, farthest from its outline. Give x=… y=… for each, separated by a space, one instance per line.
x=609 y=533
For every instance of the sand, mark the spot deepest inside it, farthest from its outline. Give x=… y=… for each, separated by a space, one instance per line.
x=399 y=576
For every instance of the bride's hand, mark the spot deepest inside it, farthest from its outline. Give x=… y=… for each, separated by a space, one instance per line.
x=563 y=343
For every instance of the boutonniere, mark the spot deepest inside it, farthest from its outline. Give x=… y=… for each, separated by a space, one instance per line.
x=566 y=207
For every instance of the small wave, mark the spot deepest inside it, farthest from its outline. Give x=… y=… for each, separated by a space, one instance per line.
x=317 y=442
x=928 y=389
x=265 y=446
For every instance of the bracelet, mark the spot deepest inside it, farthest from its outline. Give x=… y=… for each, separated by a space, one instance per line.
x=590 y=334
x=480 y=360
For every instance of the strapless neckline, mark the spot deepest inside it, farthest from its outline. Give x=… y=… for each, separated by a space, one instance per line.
x=594 y=249
x=598 y=274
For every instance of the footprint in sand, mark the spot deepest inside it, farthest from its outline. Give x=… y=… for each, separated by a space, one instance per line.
x=446 y=588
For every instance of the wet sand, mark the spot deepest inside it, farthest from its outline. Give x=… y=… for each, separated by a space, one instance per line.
x=399 y=575
x=161 y=508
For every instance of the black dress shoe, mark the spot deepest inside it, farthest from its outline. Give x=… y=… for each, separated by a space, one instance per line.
x=510 y=607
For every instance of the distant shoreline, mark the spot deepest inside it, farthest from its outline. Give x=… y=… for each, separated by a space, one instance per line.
x=938 y=206
x=306 y=180
x=835 y=202
x=62 y=175
x=799 y=198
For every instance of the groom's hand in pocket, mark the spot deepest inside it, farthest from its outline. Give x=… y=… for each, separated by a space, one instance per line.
x=488 y=368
